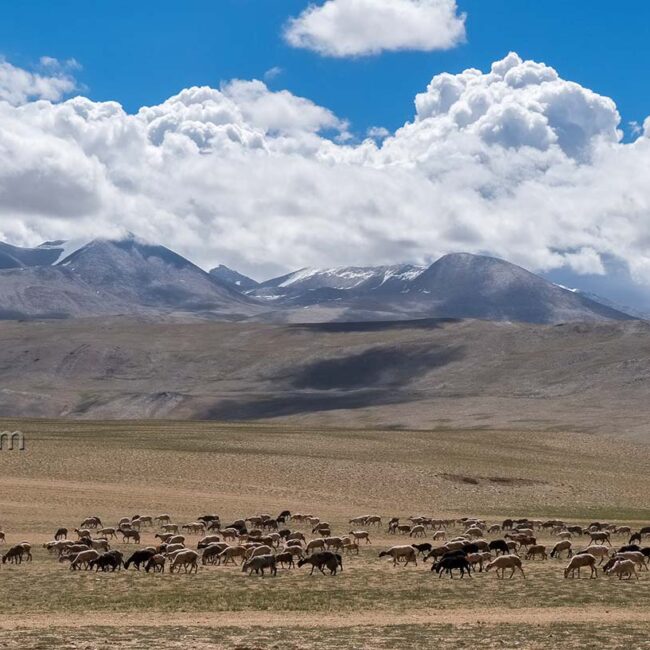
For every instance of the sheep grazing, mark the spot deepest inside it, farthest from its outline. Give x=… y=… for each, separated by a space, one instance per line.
x=564 y=545
x=187 y=559
x=418 y=531
x=139 y=557
x=61 y=533
x=111 y=560
x=232 y=552
x=373 y=520
x=624 y=569
x=597 y=550
x=534 y=551
x=83 y=559
x=16 y=553
x=499 y=546
x=323 y=560
x=454 y=560
x=578 y=562
x=504 y=562
x=315 y=544
x=259 y=563
x=211 y=553
x=405 y=553
x=156 y=563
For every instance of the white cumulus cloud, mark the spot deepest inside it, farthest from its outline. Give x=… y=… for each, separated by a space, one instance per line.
x=513 y=161
x=18 y=86
x=343 y=28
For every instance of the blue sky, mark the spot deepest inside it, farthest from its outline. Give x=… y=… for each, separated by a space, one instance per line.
x=140 y=53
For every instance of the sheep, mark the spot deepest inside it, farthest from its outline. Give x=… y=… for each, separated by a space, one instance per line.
x=418 y=531
x=61 y=533
x=597 y=550
x=351 y=547
x=564 y=545
x=258 y=550
x=83 y=558
x=139 y=557
x=579 y=561
x=499 y=546
x=635 y=556
x=494 y=529
x=565 y=535
x=624 y=568
x=231 y=553
x=504 y=562
x=315 y=544
x=334 y=542
x=600 y=536
x=422 y=548
x=172 y=548
x=448 y=563
x=398 y=553
x=359 y=520
x=106 y=561
x=194 y=527
x=259 y=563
x=108 y=532
x=285 y=558
x=170 y=528
x=176 y=539
x=207 y=540
x=15 y=554
x=537 y=549
x=322 y=560
x=185 y=559
x=91 y=522
x=439 y=535
x=230 y=533
x=296 y=536
x=296 y=551
x=156 y=563
x=128 y=535
x=373 y=520
x=82 y=532
x=294 y=542
x=211 y=553
x=320 y=528
x=363 y=534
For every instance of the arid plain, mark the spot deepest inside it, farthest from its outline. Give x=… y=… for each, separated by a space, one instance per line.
x=73 y=469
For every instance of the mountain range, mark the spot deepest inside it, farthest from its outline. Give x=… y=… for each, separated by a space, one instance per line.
x=130 y=277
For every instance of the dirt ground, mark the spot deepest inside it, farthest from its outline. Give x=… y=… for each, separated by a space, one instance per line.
x=74 y=469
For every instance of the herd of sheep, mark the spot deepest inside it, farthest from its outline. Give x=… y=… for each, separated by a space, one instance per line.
x=262 y=543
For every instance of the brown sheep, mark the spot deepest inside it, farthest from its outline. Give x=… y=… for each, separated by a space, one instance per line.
x=504 y=562
x=537 y=549
x=624 y=568
x=399 y=553
x=579 y=561
x=186 y=559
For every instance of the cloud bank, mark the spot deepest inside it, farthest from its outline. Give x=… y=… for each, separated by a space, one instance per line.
x=514 y=161
x=343 y=28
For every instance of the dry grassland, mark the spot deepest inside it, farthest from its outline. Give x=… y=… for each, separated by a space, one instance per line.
x=74 y=469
